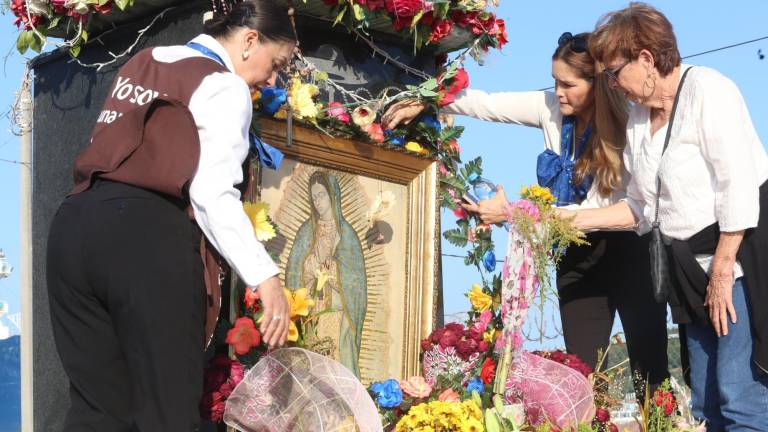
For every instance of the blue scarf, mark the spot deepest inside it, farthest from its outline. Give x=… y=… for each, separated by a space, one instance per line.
x=555 y=171
x=269 y=156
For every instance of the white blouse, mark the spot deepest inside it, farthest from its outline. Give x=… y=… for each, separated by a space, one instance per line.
x=222 y=109
x=539 y=109
x=714 y=165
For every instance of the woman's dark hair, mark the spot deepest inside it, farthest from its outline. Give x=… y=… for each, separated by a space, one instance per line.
x=268 y=17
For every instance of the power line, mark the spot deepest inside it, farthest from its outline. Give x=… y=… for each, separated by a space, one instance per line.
x=702 y=53
x=462 y=257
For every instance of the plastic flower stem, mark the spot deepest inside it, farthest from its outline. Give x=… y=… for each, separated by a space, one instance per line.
x=500 y=383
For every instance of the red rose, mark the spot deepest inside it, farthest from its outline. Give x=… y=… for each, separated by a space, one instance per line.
x=488 y=371
x=613 y=428
x=602 y=415
x=459 y=82
x=483 y=346
x=449 y=339
x=669 y=407
x=372 y=4
x=658 y=400
x=243 y=336
x=405 y=8
x=426 y=345
x=437 y=335
x=501 y=35
x=19 y=8
x=447 y=99
x=464 y=19
x=455 y=327
x=440 y=29
x=466 y=347
x=475 y=334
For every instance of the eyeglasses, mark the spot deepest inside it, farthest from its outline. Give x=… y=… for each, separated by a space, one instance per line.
x=578 y=43
x=613 y=75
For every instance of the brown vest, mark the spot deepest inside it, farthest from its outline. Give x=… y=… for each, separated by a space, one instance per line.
x=146 y=136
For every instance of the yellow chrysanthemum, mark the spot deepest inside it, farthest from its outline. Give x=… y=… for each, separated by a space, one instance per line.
x=302 y=99
x=472 y=425
x=281 y=114
x=257 y=213
x=480 y=301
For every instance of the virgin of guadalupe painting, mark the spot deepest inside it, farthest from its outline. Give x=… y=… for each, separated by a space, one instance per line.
x=327 y=258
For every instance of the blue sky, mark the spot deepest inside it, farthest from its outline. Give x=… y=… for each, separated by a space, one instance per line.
x=509 y=151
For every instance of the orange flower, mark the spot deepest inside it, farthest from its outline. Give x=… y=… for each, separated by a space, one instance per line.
x=251 y=296
x=449 y=395
x=243 y=336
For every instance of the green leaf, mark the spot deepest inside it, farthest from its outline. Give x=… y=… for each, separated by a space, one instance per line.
x=440 y=10
x=74 y=51
x=22 y=42
x=429 y=84
x=103 y=2
x=456 y=237
x=416 y=19
x=122 y=4
x=427 y=93
x=36 y=42
x=491 y=421
x=54 y=21
x=84 y=36
x=340 y=16
x=358 y=11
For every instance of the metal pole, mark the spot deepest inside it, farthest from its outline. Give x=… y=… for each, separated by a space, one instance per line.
x=25 y=240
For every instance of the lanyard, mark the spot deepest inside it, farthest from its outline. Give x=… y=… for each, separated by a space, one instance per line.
x=206 y=52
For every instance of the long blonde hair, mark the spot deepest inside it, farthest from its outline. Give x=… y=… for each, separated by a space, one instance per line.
x=602 y=157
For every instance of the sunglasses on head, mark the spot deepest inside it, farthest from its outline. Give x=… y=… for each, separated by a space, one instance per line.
x=577 y=43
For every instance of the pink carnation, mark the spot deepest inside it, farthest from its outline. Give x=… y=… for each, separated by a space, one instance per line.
x=337 y=111
x=416 y=387
x=527 y=207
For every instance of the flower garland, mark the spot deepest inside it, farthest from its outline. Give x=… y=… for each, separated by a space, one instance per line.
x=428 y=22
x=38 y=17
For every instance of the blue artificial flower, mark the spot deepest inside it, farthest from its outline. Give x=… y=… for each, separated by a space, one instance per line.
x=475 y=384
x=396 y=140
x=272 y=98
x=472 y=177
x=431 y=122
x=489 y=260
x=388 y=393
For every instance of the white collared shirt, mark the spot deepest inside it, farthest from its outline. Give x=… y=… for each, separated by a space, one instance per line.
x=222 y=109
x=714 y=165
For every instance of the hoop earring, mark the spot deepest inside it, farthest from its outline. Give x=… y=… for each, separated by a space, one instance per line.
x=652 y=87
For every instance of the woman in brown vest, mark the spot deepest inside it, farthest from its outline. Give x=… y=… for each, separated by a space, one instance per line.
x=125 y=275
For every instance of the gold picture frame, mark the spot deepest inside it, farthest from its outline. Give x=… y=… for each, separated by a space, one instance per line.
x=388 y=263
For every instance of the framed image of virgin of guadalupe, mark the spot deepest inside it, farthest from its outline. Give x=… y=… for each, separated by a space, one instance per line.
x=358 y=227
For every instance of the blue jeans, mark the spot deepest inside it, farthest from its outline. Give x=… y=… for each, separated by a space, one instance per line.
x=728 y=391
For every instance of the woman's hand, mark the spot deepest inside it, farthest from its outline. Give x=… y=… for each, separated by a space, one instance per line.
x=403 y=111
x=719 y=301
x=490 y=211
x=274 y=325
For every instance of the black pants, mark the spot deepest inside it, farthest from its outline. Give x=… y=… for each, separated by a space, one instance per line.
x=594 y=282
x=127 y=306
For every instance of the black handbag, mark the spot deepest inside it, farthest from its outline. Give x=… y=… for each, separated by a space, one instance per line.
x=661 y=280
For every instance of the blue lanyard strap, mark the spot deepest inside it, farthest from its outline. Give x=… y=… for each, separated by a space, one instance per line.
x=206 y=52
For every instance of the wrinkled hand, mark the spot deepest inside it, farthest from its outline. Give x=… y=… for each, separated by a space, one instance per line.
x=403 y=111
x=275 y=303
x=719 y=301
x=490 y=211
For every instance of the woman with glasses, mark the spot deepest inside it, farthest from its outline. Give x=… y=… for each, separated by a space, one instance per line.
x=698 y=173
x=583 y=124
